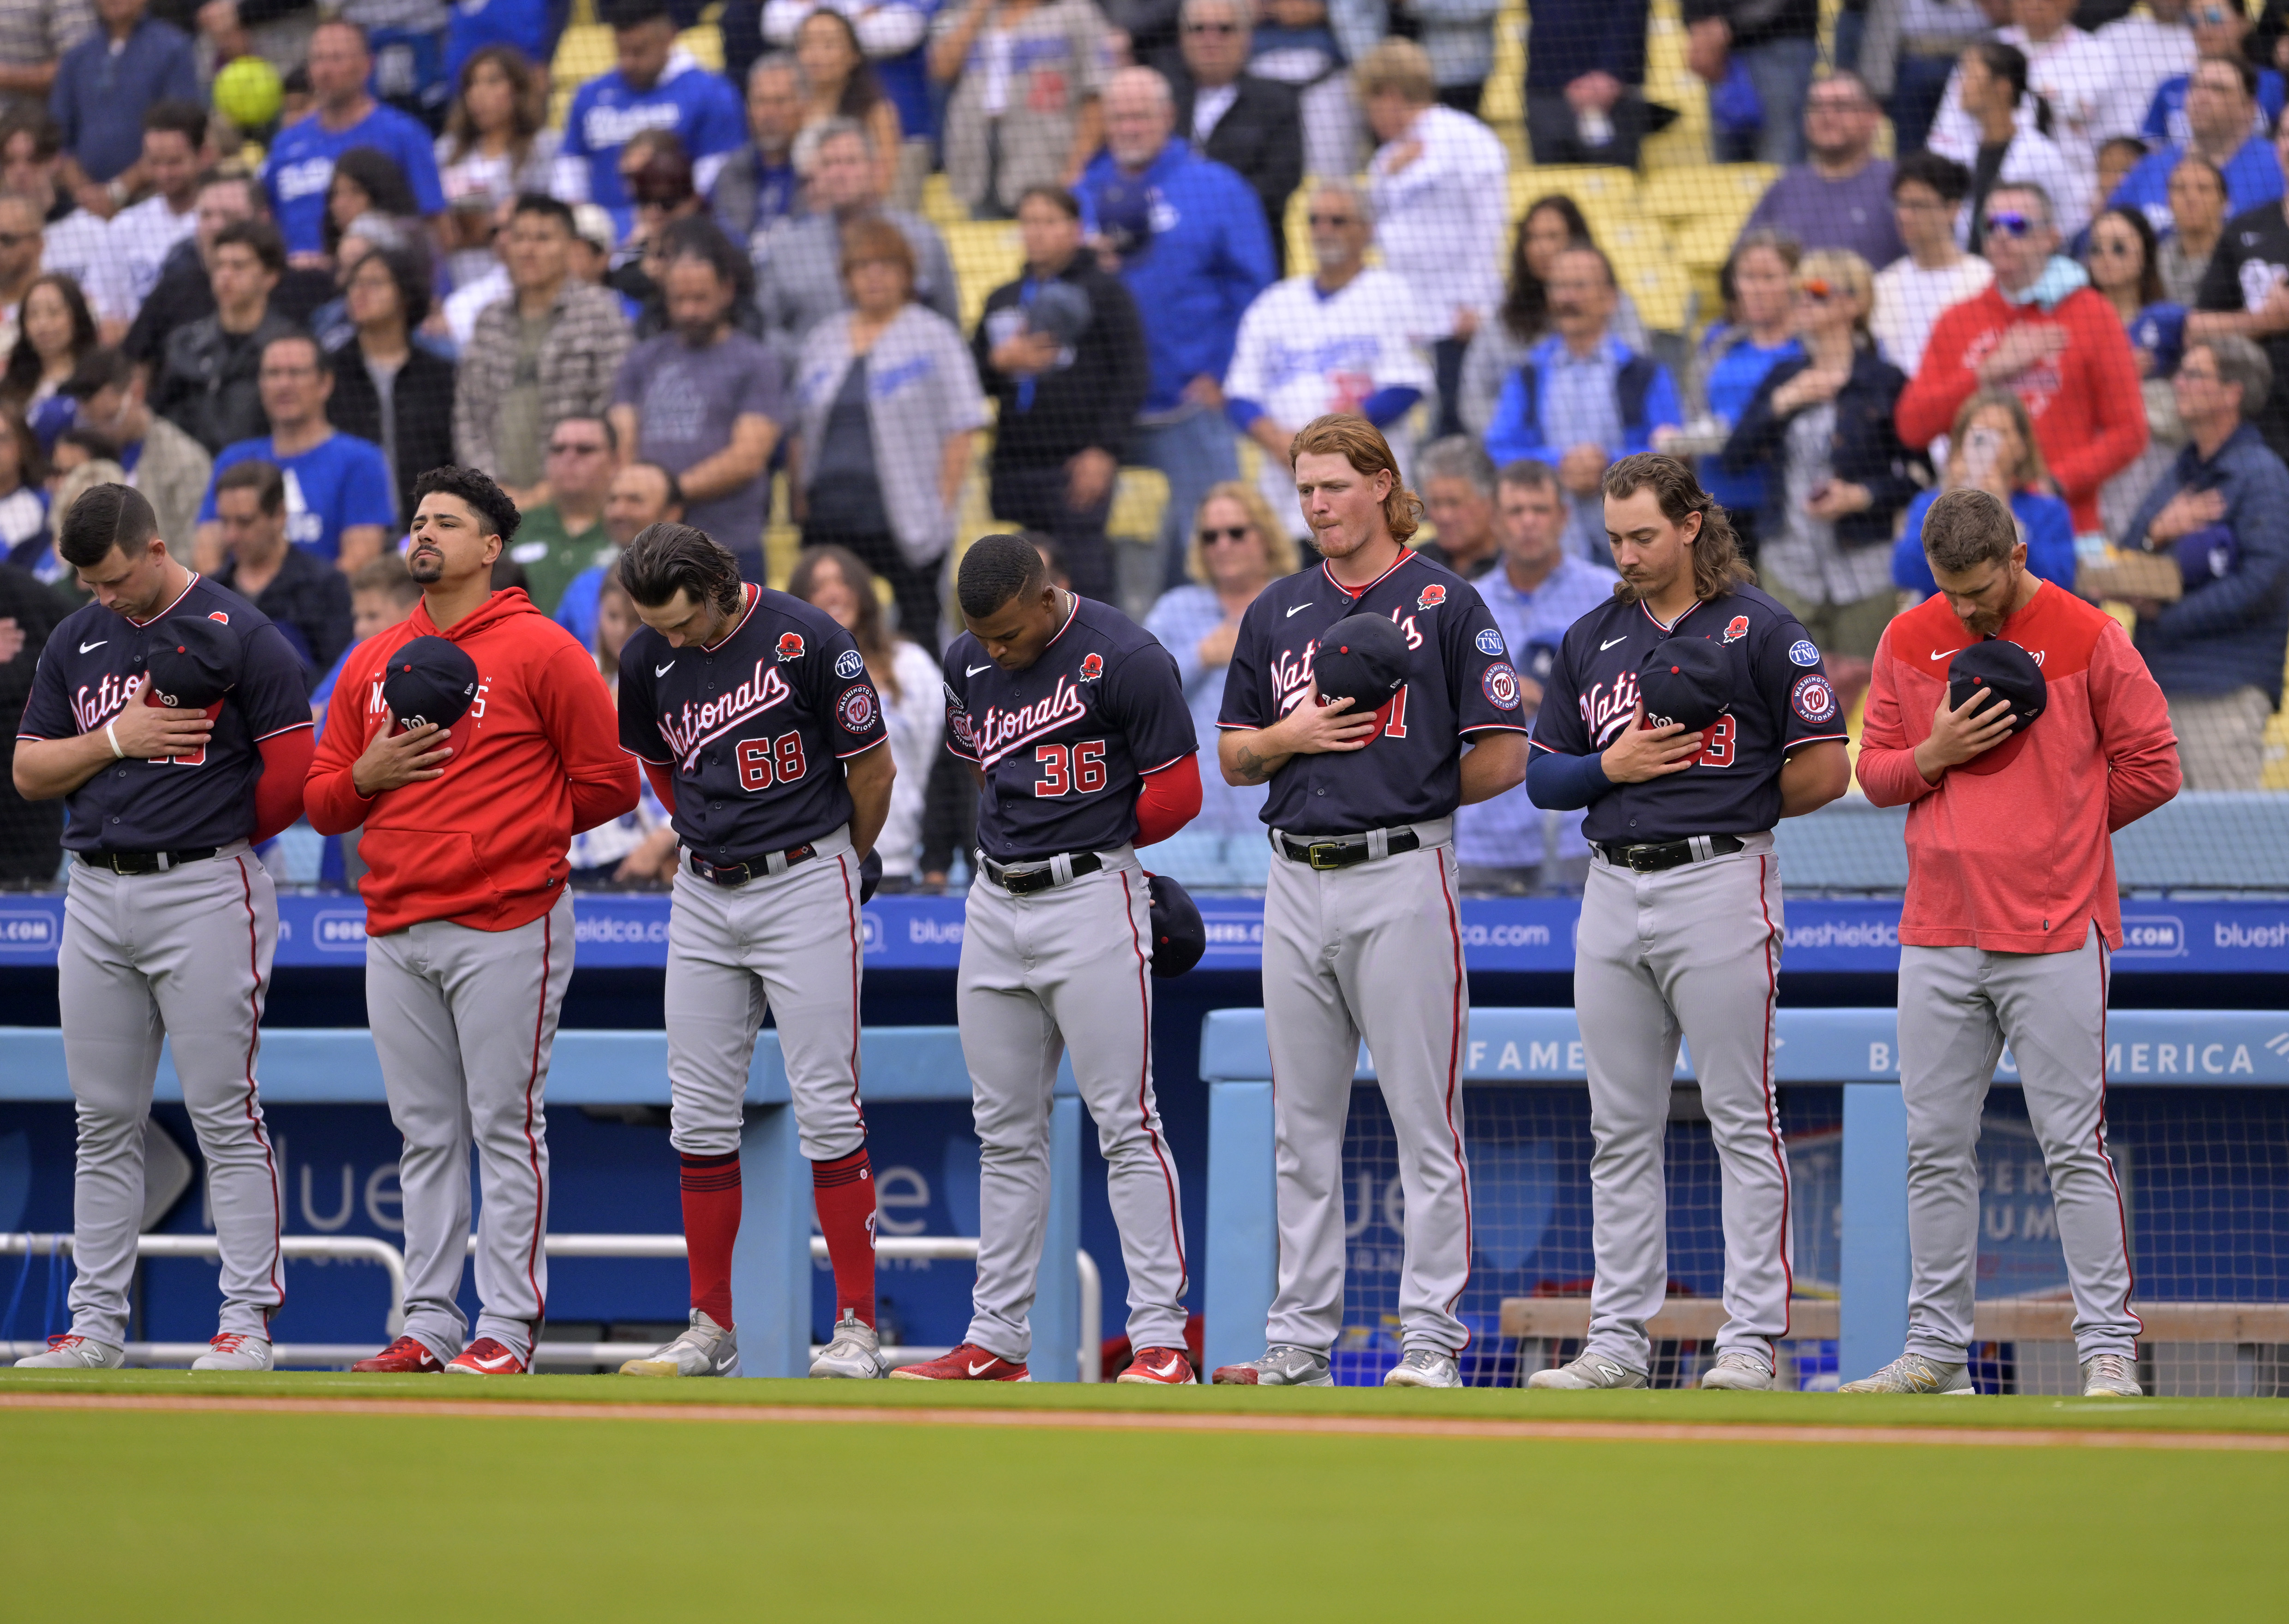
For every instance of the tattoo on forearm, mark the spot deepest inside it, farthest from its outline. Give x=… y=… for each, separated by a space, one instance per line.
x=1252 y=766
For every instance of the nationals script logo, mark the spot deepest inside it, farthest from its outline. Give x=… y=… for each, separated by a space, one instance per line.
x=1291 y=677
x=997 y=732
x=1605 y=715
x=685 y=731
x=91 y=707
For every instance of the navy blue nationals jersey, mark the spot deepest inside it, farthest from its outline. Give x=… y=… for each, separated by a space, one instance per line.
x=1459 y=681
x=1064 y=743
x=755 y=725
x=1781 y=699
x=94 y=660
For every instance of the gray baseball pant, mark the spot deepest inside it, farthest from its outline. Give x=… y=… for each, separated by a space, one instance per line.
x=182 y=957
x=1958 y=1008
x=463 y=1020
x=1375 y=951
x=1692 y=952
x=787 y=942
x=1066 y=968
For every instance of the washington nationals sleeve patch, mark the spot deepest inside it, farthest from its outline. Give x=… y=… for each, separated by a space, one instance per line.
x=1500 y=682
x=1813 y=699
x=854 y=708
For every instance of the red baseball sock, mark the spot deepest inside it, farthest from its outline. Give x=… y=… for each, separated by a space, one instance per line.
x=844 y=1192
x=711 y=1225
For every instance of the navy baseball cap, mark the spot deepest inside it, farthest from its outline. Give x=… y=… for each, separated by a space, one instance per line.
x=2206 y=554
x=193 y=662
x=1059 y=309
x=2009 y=673
x=1688 y=680
x=1179 y=938
x=1361 y=658
x=429 y=679
x=869 y=875
x=1124 y=213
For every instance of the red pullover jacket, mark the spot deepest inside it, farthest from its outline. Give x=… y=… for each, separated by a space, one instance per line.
x=2089 y=417
x=537 y=759
x=2010 y=851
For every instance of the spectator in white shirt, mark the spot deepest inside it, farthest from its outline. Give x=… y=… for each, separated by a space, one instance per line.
x=143 y=235
x=1440 y=187
x=2010 y=151
x=1935 y=273
x=2153 y=43
x=76 y=244
x=1342 y=339
x=2068 y=69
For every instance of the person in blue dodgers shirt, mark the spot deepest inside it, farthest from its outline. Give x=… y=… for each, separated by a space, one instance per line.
x=656 y=85
x=301 y=162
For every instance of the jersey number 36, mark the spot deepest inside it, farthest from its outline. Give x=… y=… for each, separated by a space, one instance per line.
x=765 y=762
x=1081 y=767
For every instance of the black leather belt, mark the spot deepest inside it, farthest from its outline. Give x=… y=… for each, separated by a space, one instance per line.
x=1330 y=851
x=1024 y=879
x=145 y=862
x=730 y=876
x=1669 y=853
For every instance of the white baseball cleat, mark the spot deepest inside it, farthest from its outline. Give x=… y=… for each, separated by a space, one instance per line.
x=1592 y=1370
x=69 y=1352
x=1424 y=1367
x=853 y=1353
x=1912 y=1372
x=230 y=1350
x=1281 y=1365
x=1739 y=1372
x=2111 y=1375
x=706 y=1349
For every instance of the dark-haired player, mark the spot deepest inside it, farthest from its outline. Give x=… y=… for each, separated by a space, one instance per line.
x=172 y=919
x=1681 y=922
x=1362 y=936
x=753 y=716
x=468 y=919
x=1075 y=722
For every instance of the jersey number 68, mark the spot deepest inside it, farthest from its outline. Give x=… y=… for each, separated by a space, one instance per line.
x=763 y=761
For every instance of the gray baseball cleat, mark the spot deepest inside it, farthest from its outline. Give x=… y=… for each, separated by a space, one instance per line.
x=1912 y=1372
x=1424 y=1367
x=69 y=1352
x=2111 y=1375
x=230 y=1350
x=1592 y=1370
x=1739 y=1371
x=1281 y=1365
x=853 y=1353
x=706 y=1349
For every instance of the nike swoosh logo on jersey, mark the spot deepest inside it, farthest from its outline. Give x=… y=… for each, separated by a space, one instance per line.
x=971 y=670
x=1623 y=638
x=98 y=643
x=1298 y=609
x=1938 y=654
x=976 y=1369
x=661 y=671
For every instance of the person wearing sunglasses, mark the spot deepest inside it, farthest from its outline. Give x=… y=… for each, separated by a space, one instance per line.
x=2040 y=331
x=565 y=535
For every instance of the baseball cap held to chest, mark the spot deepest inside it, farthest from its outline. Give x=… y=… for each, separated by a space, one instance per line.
x=1688 y=680
x=429 y=679
x=2008 y=672
x=193 y=662
x=1361 y=658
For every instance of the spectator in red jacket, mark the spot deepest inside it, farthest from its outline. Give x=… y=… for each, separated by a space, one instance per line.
x=2041 y=331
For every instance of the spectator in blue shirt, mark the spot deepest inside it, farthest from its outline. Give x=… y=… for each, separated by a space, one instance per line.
x=2220 y=99
x=1193 y=250
x=1992 y=445
x=1737 y=352
x=1582 y=399
x=104 y=85
x=1538 y=589
x=757 y=185
x=338 y=502
x=657 y=85
x=300 y=167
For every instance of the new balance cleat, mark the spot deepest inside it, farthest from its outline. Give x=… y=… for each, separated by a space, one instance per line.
x=853 y=1353
x=1424 y=1367
x=967 y=1363
x=2111 y=1375
x=1281 y=1365
x=486 y=1358
x=1912 y=1372
x=1589 y=1372
x=405 y=1357
x=704 y=1349
x=1158 y=1367
x=231 y=1350
x=1739 y=1372
x=69 y=1352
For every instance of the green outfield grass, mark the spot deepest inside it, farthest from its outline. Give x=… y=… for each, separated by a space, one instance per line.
x=182 y=1515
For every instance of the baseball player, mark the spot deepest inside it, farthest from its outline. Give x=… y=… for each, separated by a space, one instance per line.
x=1074 y=720
x=1988 y=959
x=1681 y=925
x=468 y=919
x=753 y=716
x=169 y=714
x=1362 y=936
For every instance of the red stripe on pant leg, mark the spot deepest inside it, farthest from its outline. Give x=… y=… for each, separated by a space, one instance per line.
x=253 y=1041
x=850 y=906
x=532 y=1145
x=2099 y=1133
x=1145 y=1090
x=1764 y=1068
x=1453 y=1081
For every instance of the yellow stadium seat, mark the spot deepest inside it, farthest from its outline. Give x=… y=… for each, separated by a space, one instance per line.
x=1608 y=198
x=940 y=207
x=986 y=254
x=1140 y=497
x=1663 y=289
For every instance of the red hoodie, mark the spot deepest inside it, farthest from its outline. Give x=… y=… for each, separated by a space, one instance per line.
x=2089 y=417
x=537 y=759
x=2010 y=851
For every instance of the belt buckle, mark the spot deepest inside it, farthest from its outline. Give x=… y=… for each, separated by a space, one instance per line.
x=1334 y=848
x=1640 y=860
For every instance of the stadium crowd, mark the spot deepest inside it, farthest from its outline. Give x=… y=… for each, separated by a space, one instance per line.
x=269 y=263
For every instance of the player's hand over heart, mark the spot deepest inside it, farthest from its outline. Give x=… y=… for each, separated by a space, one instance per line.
x=1984 y=722
x=148 y=732
x=392 y=761
x=1643 y=753
x=1312 y=729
